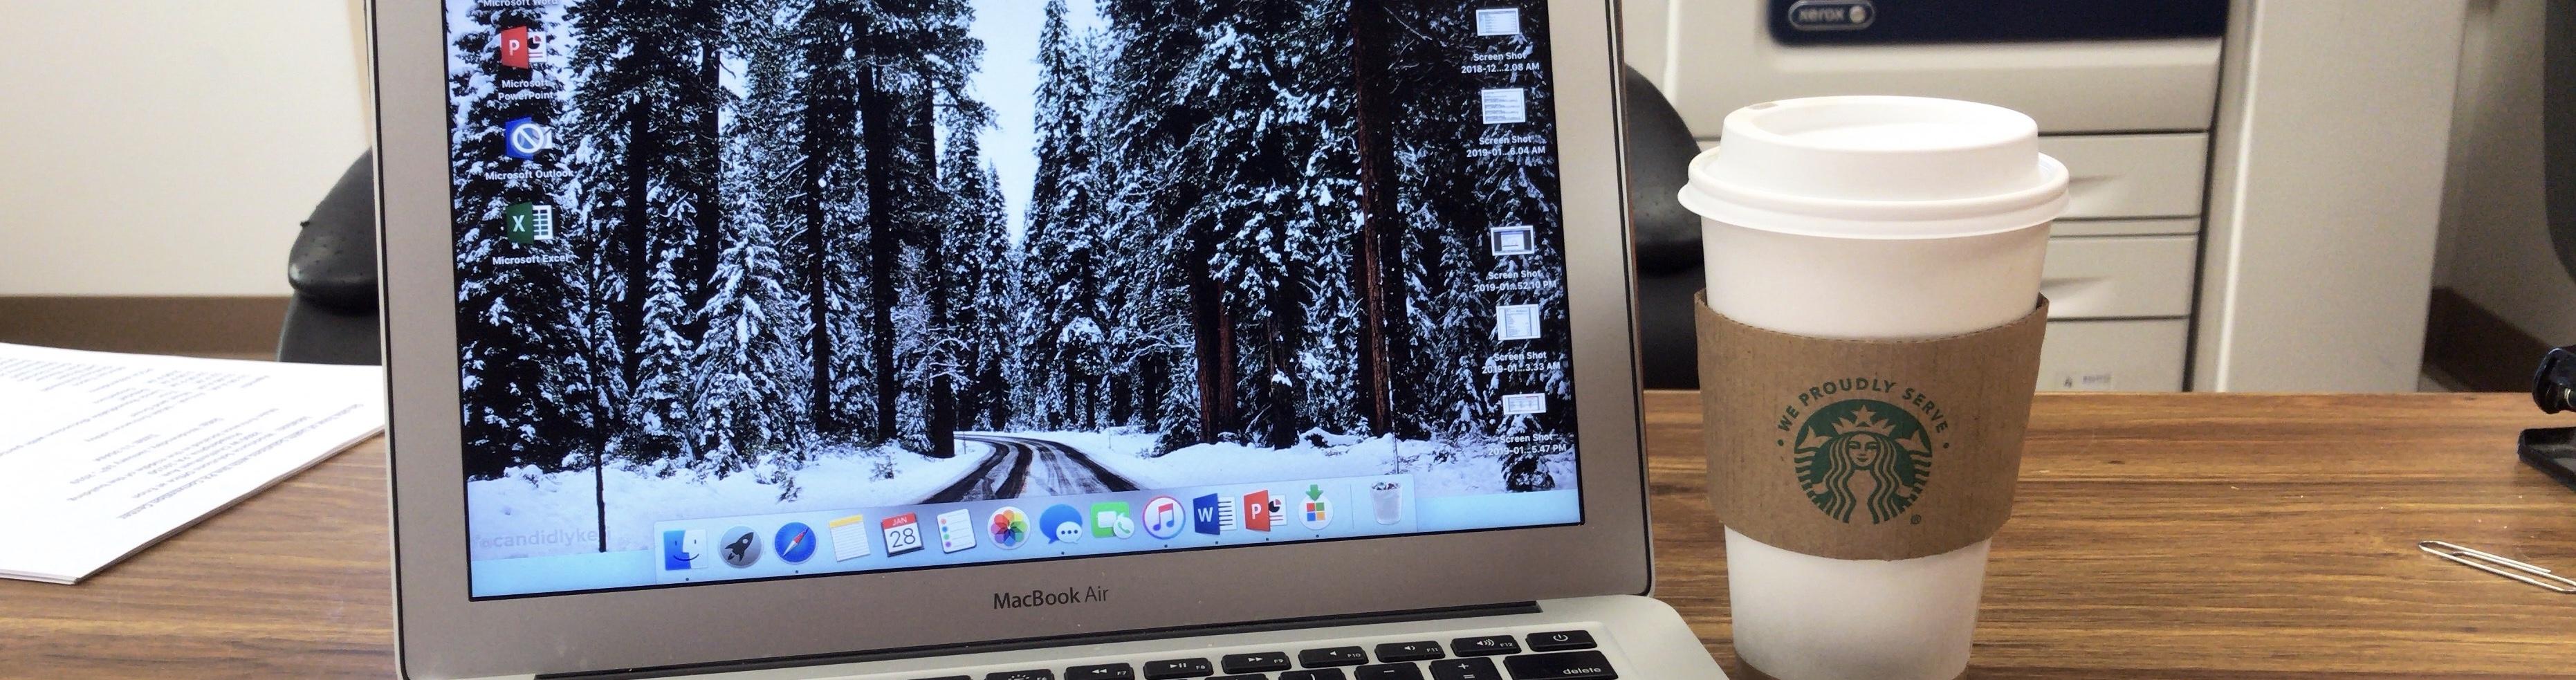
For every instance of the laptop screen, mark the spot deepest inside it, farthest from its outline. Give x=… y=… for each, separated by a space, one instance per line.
x=765 y=289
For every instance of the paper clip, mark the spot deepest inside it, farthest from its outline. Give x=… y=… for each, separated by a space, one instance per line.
x=2500 y=565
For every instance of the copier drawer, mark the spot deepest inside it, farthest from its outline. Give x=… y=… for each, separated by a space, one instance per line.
x=2119 y=276
x=2112 y=176
x=2135 y=355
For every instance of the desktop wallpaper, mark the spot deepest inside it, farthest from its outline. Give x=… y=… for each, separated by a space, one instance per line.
x=726 y=257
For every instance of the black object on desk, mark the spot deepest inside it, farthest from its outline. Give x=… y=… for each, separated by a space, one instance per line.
x=333 y=270
x=2552 y=450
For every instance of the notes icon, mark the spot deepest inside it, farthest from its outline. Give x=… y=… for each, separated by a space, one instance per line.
x=849 y=537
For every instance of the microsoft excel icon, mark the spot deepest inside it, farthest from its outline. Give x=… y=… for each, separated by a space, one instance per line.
x=525 y=223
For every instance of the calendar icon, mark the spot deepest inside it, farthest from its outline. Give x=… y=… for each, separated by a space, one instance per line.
x=902 y=534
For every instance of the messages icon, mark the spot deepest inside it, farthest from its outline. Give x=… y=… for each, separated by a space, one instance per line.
x=1061 y=524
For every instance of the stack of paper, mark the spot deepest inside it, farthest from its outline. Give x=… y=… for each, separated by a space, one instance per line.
x=103 y=454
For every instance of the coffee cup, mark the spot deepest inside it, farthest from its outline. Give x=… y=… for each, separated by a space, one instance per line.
x=1869 y=345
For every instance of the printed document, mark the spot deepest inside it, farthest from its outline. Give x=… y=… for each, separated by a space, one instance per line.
x=103 y=454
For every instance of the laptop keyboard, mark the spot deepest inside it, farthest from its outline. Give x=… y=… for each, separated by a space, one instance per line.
x=1545 y=655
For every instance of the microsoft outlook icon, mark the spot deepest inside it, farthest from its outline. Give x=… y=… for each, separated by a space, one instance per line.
x=522 y=138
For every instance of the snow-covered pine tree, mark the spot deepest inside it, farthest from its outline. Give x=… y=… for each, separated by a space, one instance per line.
x=1063 y=234
x=1279 y=191
x=1528 y=182
x=1149 y=103
x=1441 y=391
x=751 y=404
x=957 y=264
x=664 y=391
x=1459 y=178
x=819 y=192
x=644 y=99
x=530 y=390
x=746 y=362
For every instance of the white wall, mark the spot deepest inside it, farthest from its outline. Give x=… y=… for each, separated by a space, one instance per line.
x=2495 y=231
x=168 y=147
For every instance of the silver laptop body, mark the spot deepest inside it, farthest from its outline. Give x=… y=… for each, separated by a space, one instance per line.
x=1012 y=339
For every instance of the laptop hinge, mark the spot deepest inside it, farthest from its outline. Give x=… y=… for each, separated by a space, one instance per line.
x=1319 y=622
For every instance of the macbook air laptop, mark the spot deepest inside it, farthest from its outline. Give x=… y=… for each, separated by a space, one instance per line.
x=1013 y=340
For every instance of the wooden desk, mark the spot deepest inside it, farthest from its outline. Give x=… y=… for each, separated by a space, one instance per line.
x=2163 y=536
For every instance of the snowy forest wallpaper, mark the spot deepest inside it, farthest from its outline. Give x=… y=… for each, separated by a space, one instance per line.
x=792 y=252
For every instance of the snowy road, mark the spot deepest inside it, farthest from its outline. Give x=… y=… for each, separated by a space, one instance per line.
x=1020 y=466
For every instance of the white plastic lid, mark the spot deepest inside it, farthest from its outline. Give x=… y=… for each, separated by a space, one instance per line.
x=1877 y=167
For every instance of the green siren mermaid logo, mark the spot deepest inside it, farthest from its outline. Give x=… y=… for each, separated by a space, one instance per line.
x=1862 y=453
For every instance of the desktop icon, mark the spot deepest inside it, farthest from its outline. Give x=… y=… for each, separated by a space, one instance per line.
x=1387 y=498
x=1061 y=524
x=956 y=530
x=1259 y=510
x=1519 y=239
x=1316 y=512
x=516 y=43
x=525 y=223
x=1516 y=322
x=1009 y=527
x=1498 y=21
x=1528 y=404
x=902 y=534
x=683 y=548
x=1112 y=519
x=739 y=547
x=1211 y=515
x=849 y=538
x=1503 y=105
x=794 y=542
x=522 y=138
x=1164 y=517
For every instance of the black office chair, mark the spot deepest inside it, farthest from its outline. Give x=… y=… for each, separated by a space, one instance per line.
x=333 y=269
x=333 y=265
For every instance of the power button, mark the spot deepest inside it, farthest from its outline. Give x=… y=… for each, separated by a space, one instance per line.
x=1832 y=15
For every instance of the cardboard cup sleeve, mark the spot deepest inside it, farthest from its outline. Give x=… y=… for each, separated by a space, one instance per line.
x=1865 y=449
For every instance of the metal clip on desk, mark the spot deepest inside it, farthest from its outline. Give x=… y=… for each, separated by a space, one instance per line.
x=2500 y=565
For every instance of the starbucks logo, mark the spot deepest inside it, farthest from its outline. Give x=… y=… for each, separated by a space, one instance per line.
x=1862 y=457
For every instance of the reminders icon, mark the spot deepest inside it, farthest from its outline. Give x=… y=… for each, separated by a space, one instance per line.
x=956 y=531
x=849 y=537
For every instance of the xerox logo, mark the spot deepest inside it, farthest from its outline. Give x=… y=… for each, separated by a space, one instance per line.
x=1042 y=598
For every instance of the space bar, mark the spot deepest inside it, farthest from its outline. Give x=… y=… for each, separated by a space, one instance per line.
x=1589 y=665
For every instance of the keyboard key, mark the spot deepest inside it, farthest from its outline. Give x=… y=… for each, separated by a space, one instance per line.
x=1317 y=674
x=1465 y=669
x=1179 y=668
x=1561 y=666
x=1337 y=656
x=1107 y=671
x=1258 y=662
x=1560 y=641
x=1039 y=674
x=1393 y=652
x=1387 y=671
x=1246 y=676
x=1485 y=646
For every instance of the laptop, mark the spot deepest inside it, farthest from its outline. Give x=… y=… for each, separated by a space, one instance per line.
x=1013 y=340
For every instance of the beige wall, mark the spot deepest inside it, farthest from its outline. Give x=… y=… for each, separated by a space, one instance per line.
x=2495 y=233
x=168 y=147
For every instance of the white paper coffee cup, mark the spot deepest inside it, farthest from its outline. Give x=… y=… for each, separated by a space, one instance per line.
x=1869 y=218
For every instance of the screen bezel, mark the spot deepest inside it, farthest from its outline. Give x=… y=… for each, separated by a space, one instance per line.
x=441 y=633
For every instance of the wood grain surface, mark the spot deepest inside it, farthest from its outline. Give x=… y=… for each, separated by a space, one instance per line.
x=2158 y=536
